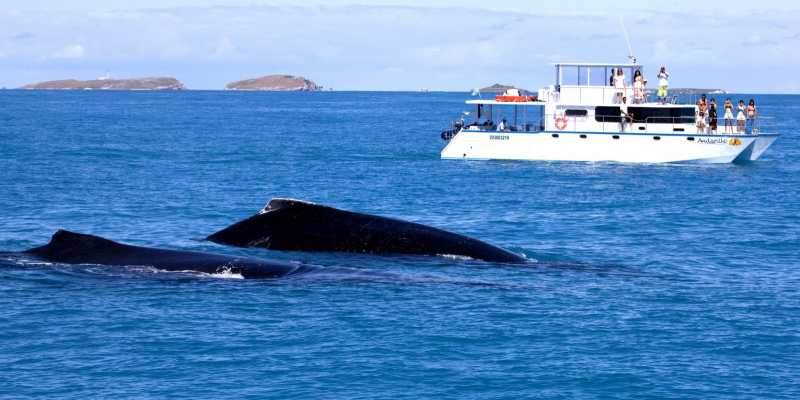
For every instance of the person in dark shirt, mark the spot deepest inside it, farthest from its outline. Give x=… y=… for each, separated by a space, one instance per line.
x=712 y=116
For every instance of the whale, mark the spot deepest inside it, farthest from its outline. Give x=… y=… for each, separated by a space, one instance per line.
x=76 y=248
x=297 y=225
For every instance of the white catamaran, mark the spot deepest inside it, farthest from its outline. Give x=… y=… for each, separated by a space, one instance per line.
x=581 y=118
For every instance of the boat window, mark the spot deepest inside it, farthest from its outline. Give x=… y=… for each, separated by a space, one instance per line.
x=662 y=115
x=583 y=75
x=570 y=75
x=606 y=114
x=534 y=119
x=597 y=76
x=575 y=113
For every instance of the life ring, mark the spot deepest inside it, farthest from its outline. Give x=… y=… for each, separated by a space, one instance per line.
x=561 y=123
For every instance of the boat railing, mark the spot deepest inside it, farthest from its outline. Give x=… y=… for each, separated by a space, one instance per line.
x=751 y=126
x=614 y=124
x=579 y=94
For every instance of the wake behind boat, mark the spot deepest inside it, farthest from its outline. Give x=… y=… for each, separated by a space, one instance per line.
x=590 y=115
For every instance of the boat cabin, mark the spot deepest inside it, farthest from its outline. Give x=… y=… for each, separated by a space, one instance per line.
x=583 y=99
x=589 y=83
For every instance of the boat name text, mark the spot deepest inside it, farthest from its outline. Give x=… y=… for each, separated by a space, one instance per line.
x=712 y=140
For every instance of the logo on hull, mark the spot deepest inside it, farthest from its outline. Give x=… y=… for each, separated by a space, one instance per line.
x=712 y=140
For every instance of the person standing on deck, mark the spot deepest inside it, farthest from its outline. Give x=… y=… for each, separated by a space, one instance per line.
x=638 y=87
x=701 y=117
x=663 y=83
x=728 y=116
x=619 y=85
x=712 y=116
x=740 y=117
x=751 y=116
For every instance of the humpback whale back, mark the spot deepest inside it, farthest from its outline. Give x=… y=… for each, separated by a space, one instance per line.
x=70 y=247
x=288 y=224
x=76 y=248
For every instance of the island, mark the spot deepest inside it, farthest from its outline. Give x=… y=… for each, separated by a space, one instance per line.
x=276 y=83
x=695 y=91
x=150 y=83
x=500 y=89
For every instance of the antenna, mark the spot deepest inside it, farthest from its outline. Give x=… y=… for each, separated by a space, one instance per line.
x=627 y=40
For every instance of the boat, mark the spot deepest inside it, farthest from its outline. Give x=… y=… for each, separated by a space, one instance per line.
x=579 y=118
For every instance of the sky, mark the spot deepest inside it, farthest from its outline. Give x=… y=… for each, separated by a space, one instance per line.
x=741 y=46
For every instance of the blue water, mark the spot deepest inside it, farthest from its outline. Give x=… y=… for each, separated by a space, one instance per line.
x=650 y=281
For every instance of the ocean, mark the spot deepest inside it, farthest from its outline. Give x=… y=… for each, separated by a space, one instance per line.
x=645 y=281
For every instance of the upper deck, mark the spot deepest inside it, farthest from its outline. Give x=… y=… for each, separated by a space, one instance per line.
x=590 y=83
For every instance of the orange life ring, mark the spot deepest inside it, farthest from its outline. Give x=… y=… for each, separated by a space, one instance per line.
x=561 y=123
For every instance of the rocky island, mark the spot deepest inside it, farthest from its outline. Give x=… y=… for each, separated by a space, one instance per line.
x=500 y=89
x=151 y=83
x=279 y=83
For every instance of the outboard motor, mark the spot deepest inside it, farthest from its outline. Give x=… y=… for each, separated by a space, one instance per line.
x=450 y=133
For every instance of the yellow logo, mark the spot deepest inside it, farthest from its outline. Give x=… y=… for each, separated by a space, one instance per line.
x=734 y=142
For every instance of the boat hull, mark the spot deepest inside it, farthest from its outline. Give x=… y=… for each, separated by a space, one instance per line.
x=763 y=142
x=598 y=147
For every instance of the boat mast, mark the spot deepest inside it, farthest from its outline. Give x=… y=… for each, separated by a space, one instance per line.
x=627 y=40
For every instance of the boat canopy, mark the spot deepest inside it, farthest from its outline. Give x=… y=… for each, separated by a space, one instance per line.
x=592 y=74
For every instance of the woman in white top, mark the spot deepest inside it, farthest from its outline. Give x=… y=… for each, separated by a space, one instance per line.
x=638 y=87
x=728 y=116
x=619 y=85
x=741 y=119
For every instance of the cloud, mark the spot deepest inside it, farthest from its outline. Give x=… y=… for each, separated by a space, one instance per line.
x=73 y=51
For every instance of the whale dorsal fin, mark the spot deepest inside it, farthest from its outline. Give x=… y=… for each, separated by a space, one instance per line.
x=68 y=238
x=65 y=243
x=279 y=202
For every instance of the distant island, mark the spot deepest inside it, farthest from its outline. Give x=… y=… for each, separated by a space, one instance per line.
x=278 y=83
x=687 y=91
x=695 y=91
x=500 y=89
x=151 y=83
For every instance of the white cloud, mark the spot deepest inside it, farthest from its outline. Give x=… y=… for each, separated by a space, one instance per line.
x=72 y=51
